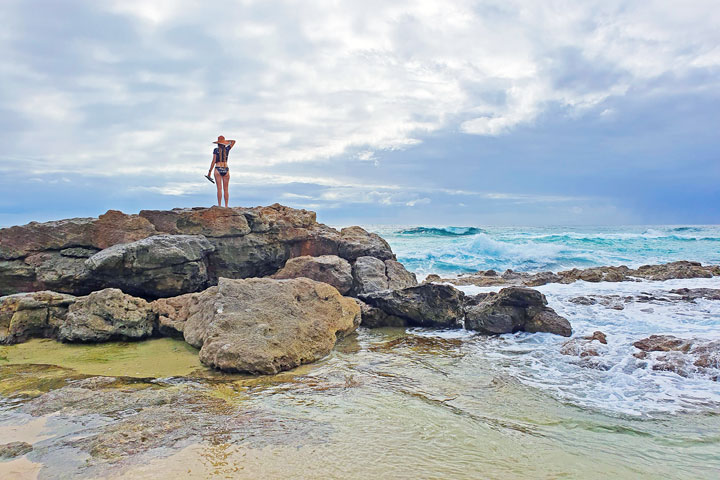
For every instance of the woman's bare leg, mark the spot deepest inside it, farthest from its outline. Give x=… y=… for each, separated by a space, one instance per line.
x=226 y=186
x=218 y=183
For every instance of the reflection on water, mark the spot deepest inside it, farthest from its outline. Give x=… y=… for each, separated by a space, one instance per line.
x=386 y=403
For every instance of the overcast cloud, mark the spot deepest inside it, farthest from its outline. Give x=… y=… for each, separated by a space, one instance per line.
x=428 y=112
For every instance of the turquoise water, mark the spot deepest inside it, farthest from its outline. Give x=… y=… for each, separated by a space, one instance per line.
x=452 y=250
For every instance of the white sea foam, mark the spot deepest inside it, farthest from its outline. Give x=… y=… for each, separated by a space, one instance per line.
x=616 y=381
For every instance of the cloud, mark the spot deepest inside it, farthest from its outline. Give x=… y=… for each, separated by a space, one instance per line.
x=312 y=83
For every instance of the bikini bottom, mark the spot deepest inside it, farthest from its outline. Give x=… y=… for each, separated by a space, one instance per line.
x=222 y=170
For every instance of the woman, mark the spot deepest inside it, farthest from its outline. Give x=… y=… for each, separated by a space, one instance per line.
x=222 y=172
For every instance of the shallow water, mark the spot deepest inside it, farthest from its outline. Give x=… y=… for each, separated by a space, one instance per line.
x=386 y=403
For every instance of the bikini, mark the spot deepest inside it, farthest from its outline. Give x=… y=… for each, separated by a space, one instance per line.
x=222 y=170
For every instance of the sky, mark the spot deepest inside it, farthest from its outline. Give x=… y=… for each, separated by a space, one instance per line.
x=419 y=112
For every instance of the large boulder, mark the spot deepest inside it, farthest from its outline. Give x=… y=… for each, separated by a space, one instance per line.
x=264 y=326
x=356 y=242
x=329 y=269
x=158 y=266
x=210 y=222
x=106 y=315
x=36 y=314
x=426 y=305
x=371 y=274
x=368 y=275
x=515 y=309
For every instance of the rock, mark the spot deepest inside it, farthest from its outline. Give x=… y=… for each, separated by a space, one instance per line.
x=36 y=314
x=682 y=356
x=368 y=275
x=515 y=309
x=691 y=294
x=15 y=449
x=158 y=266
x=209 y=222
x=583 y=301
x=373 y=317
x=329 y=269
x=173 y=312
x=663 y=343
x=264 y=326
x=114 y=227
x=105 y=315
x=356 y=242
x=432 y=278
x=478 y=298
x=398 y=277
x=426 y=305
x=680 y=269
x=584 y=346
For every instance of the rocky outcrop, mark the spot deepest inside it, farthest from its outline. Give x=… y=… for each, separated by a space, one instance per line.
x=515 y=309
x=165 y=253
x=36 y=314
x=262 y=325
x=682 y=356
x=680 y=269
x=157 y=266
x=105 y=315
x=427 y=305
x=329 y=269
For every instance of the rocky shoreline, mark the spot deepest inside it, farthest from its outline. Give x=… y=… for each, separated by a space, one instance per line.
x=257 y=290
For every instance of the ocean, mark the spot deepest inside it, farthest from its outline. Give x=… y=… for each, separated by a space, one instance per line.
x=618 y=383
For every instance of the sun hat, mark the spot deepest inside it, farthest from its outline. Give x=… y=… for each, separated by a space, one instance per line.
x=221 y=140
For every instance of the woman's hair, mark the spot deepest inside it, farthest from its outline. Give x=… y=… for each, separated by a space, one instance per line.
x=222 y=154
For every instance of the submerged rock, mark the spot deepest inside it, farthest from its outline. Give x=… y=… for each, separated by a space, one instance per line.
x=14 y=449
x=588 y=346
x=107 y=314
x=515 y=309
x=329 y=269
x=265 y=326
x=426 y=305
x=682 y=356
x=27 y=315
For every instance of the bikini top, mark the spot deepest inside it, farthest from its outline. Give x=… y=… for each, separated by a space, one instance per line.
x=222 y=153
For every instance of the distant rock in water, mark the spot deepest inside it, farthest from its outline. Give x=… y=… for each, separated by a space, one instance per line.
x=682 y=356
x=164 y=253
x=679 y=269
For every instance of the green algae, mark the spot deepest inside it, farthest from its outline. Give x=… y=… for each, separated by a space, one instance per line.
x=154 y=358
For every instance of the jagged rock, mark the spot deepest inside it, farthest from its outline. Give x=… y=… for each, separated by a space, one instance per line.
x=680 y=269
x=584 y=346
x=515 y=309
x=107 y=314
x=398 y=277
x=209 y=222
x=158 y=266
x=583 y=301
x=15 y=449
x=373 y=317
x=36 y=314
x=695 y=293
x=433 y=277
x=329 y=269
x=356 y=242
x=173 y=312
x=682 y=356
x=368 y=275
x=478 y=298
x=262 y=325
x=426 y=305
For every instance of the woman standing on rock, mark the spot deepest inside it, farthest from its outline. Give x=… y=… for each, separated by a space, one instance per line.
x=222 y=172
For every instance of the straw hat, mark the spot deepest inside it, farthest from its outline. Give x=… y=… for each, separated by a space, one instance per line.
x=221 y=140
